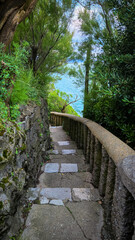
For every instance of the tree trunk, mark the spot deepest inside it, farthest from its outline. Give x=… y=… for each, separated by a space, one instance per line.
x=87 y=68
x=12 y=12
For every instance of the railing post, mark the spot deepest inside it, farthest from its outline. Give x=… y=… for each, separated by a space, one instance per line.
x=108 y=199
x=85 y=140
x=97 y=163
x=88 y=146
x=79 y=135
x=76 y=132
x=123 y=211
x=92 y=152
x=73 y=130
x=103 y=173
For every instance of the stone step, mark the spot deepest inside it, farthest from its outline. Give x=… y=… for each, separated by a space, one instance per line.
x=57 y=134
x=65 y=151
x=82 y=167
x=67 y=158
x=64 y=144
x=71 y=180
x=46 y=195
x=75 y=221
x=68 y=206
x=62 y=167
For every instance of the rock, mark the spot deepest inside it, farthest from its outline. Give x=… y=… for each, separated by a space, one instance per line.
x=56 y=202
x=21 y=157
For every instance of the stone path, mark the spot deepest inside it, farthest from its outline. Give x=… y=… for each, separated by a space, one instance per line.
x=68 y=206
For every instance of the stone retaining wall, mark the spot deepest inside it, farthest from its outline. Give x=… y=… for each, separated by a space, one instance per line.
x=112 y=164
x=22 y=153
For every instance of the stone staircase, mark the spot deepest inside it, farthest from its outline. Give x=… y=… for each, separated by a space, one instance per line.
x=68 y=206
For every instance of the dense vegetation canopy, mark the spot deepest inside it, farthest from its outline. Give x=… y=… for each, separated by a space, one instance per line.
x=103 y=57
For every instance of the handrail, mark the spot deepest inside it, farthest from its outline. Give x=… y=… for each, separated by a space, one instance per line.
x=112 y=164
x=117 y=149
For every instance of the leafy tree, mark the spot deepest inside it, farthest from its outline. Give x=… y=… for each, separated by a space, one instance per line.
x=114 y=105
x=60 y=101
x=90 y=31
x=50 y=41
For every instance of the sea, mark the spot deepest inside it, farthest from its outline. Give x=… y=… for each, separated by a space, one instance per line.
x=66 y=84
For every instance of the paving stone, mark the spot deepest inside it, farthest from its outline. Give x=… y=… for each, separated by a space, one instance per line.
x=63 y=143
x=48 y=222
x=55 y=127
x=82 y=167
x=88 y=194
x=55 y=151
x=56 y=193
x=43 y=200
x=56 y=202
x=33 y=193
x=68 y=167
x=89 y=216
x=80 y=194
x=51 y=168
x=68 y=151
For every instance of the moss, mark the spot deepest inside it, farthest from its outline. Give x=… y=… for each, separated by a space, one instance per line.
x=11 y=140
x=2 y=186
x=1 y=220
x=5 y=153
x=37 y=201
x=5 y=180
x=2 y=129
x=1 y=204
x=1 y=159
x=23 y=147
x=15 y=179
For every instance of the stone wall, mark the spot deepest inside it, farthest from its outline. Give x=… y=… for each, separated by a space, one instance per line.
x=22 y=152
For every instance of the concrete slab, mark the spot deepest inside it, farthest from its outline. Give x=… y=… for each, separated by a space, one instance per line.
x=58 y=134
x=68 y=158
x=63 y=143
x=55 y=151
x=56 y=202
x=68 y=167
x=87 y=194
x=68 y=151
x=55 y=127
x=56 y=193
x=65 y=180
x=51 y=168
x=50 y=222
x=89 y=216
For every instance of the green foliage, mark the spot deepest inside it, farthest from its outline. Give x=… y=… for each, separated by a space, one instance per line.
x=50 y=41
x=57 y=99
x=15 y=82
x=111 y=97
x=3 y=110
